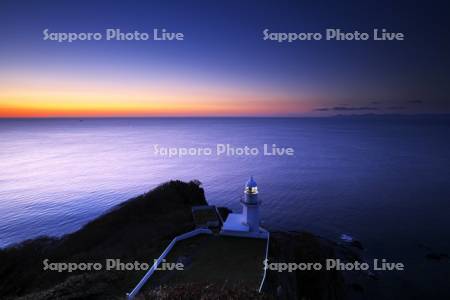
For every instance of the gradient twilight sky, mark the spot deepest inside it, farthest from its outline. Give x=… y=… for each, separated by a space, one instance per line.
x=223 y=67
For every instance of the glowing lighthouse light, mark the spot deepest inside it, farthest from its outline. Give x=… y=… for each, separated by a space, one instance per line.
x=251 y=188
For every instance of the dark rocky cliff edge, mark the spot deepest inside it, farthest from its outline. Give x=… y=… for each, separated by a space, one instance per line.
x=303 y=247
x=138 y=230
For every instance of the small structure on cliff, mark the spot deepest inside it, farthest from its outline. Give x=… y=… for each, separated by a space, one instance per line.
x=247 y=223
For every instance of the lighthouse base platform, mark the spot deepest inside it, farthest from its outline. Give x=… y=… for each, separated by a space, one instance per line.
x=233 y=226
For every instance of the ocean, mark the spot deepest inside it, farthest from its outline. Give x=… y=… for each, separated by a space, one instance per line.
x=383 y=180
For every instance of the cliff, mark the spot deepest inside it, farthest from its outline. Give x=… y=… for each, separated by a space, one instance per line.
x=138 y=230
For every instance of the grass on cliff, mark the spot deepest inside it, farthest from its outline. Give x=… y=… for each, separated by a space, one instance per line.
x=137 y=229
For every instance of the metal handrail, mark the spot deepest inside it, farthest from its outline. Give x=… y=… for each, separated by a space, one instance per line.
x=265 y=269
x=149 y=273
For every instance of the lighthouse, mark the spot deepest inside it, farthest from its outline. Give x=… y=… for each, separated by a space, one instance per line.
x=250 y=205
x=247 y=223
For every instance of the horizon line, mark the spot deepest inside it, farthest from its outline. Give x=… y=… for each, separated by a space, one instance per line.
x=229 y=116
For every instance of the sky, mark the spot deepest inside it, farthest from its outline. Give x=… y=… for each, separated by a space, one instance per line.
x=223 y=67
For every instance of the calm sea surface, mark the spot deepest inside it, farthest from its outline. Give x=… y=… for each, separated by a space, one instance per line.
x=385 y=181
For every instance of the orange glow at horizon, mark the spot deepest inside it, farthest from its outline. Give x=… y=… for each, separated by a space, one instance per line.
x=38 y=110
x=116 y=108
x=44 y=104
x=34 y=97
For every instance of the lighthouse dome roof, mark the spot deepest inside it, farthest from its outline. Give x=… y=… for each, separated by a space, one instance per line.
x=251 y=183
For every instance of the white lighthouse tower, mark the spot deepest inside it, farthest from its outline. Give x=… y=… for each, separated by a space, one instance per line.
x=246 y=224
x=250 y=206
